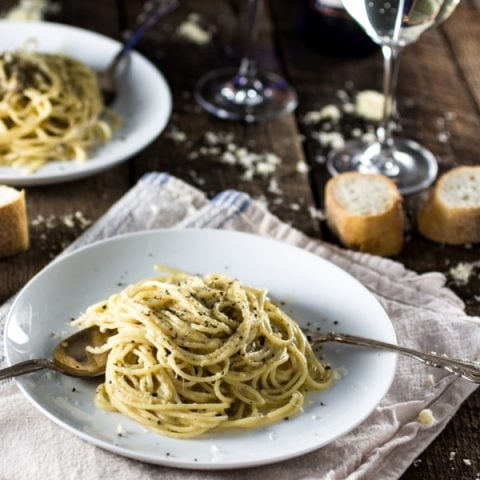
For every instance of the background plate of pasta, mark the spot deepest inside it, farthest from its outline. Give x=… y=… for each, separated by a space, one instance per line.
x=207 y=365
x=54 y=126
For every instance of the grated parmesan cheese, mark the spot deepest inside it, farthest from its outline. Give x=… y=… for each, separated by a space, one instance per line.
x=461 y=273
x=273 y=187
x=121 y=432
x=425 y=417
x=192 y=30
x=302 y=167
x=30 y=10
x=317 y=214
x=369 y=104
x=334 y=140
x=176 y=135
x=329 y=112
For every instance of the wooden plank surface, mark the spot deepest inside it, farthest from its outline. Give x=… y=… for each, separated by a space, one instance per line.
x=439 y=74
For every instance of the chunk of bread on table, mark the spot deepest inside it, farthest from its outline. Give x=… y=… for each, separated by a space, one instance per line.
x=365 y=212
x=13 y=222
x=452 y=213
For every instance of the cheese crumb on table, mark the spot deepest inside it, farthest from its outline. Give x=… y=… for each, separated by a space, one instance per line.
x=192 y=30
x=317 y=214
x=426 y=417
x=329 y=112
x=302 y=167
x=333 y=140
x=461 y=272
x=370 y=105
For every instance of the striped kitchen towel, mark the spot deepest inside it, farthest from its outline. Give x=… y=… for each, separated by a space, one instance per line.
x=422 y=311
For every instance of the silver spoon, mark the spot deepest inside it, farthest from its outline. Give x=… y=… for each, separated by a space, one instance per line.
x=70 y=357
x=151 y=12
x=467 y=369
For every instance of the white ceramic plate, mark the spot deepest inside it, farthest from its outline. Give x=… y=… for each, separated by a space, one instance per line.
x=315 y=291
x=143 y=101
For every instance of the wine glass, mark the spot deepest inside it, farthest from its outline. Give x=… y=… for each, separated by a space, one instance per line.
x=393 y=24
x=246 y=93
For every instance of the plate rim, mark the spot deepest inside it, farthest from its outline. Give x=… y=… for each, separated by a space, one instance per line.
x=61 y=177
x=188 y=464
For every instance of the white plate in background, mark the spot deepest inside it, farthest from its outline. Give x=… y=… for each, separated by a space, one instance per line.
x=316 y=292
x=144 y=101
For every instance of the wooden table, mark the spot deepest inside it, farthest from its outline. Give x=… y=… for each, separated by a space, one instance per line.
x=441 y=73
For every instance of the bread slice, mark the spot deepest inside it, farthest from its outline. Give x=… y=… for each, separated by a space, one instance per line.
x=365 y=211
x=13 y=222
x=452 y=213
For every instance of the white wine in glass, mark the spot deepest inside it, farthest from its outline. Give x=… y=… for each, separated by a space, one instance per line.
x=393 y=24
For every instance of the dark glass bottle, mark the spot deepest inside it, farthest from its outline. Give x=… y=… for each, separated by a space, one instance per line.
x=327 y=27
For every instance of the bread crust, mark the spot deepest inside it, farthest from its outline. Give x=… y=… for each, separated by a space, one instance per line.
x=14 y=236
x=379 y=234
x=447 y=224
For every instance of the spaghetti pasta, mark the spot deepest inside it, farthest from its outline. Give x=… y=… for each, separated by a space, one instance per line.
x=50 y=109
x=191 y=354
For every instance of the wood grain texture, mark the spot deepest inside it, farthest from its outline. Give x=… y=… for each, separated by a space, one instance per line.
x=439 y=74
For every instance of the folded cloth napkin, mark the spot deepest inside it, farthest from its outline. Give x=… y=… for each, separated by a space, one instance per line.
x=424 y=313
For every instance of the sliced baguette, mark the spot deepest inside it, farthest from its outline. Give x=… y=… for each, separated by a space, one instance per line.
x=365 y=212
x=452 y=213
x=13 y=222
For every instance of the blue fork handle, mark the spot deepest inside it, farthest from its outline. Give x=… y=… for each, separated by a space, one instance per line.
x=147 y=19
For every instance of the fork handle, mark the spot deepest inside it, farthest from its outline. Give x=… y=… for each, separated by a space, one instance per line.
x=28 y=366
x=151 y=12
x=467 y=369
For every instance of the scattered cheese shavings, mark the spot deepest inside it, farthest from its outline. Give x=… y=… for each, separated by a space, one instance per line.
x=426 y=417
x=273 y=187
x=192 y=30
x=451 y=456
x=29 y=10
x=461 y=272
x=295 y=207
x=176 y=135
x=330 y=112
x=254 y=164
x=70 y=220
x=369 y=104
x=120 y=430
x=334 y=140
x=317 y=214
x=443 y=137
x=467 y=462
x=302 y=167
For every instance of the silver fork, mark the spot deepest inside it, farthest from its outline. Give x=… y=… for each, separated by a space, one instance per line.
x=467 y=369
x=151 y=12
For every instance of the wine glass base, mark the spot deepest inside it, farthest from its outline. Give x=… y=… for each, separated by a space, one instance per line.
x=269 y=97
x=412 y=168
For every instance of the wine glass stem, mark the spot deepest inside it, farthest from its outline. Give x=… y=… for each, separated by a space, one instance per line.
x=391 y=56
x=248 y=66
